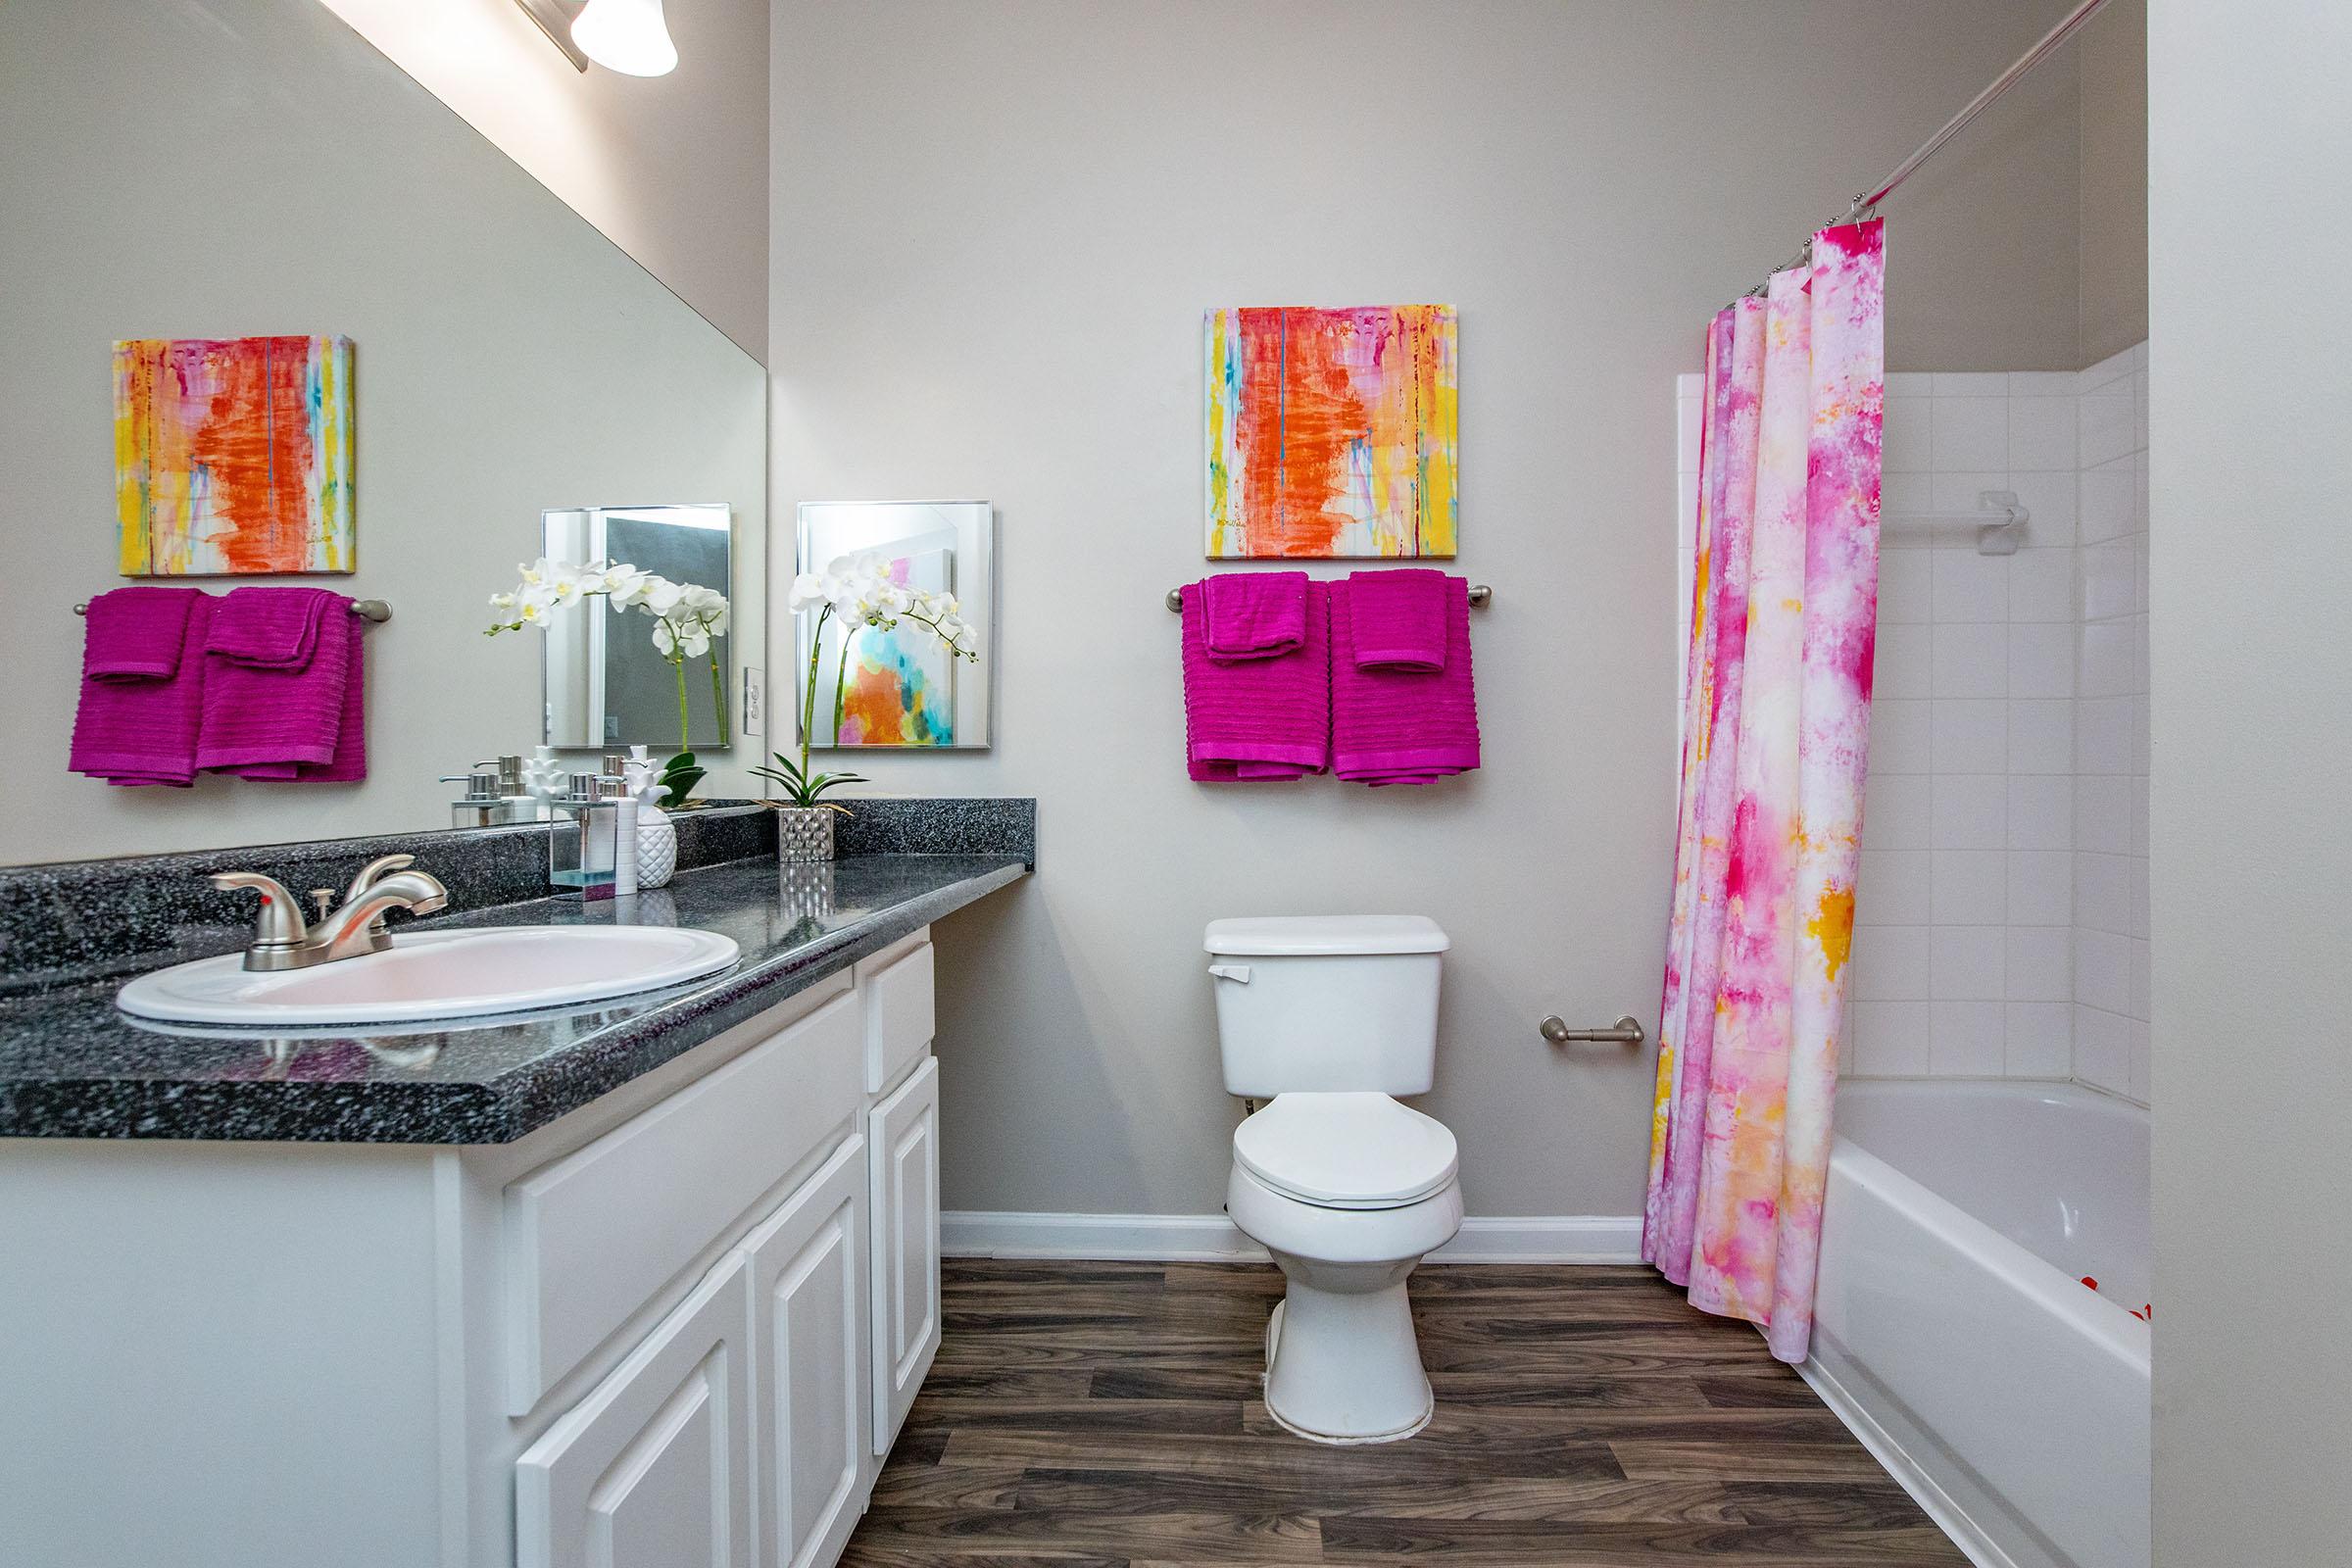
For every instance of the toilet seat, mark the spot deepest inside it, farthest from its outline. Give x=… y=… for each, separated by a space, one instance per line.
x=1347 y=1151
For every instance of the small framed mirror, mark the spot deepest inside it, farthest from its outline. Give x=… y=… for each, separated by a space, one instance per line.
x=608 y=682
x=902 y=687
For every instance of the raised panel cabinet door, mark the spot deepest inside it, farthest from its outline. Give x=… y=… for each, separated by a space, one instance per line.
x=807 y=1288
x=903 y=1135
x=652 y=1469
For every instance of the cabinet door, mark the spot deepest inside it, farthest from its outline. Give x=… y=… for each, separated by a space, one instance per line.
x=652 y=1469
x=807 y=1288
x=903 y=1135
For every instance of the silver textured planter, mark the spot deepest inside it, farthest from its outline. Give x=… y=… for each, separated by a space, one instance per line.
x=804 y=834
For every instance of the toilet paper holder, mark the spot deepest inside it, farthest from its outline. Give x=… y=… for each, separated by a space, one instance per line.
x=1626 y=1031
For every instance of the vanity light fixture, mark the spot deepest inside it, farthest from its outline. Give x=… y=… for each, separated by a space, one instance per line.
x=626 y=35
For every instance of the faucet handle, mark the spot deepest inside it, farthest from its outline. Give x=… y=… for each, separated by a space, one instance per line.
x=381 y=865
x=280 y=925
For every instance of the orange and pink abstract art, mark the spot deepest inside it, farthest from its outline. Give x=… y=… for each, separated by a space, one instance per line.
x=1332 y=432
x=232 y=455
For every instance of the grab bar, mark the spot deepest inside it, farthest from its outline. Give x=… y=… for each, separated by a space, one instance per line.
x=1626 y=1031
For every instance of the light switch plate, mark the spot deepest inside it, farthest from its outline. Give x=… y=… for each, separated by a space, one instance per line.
x=753 y=707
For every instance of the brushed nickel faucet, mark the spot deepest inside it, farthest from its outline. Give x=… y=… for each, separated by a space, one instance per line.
x=283 y=940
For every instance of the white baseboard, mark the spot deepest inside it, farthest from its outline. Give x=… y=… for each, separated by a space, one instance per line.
x=1215 y=1239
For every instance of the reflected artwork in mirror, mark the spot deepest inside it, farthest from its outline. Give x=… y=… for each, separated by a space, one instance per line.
x=609 y=679
x=903 y=684
x=355 y=291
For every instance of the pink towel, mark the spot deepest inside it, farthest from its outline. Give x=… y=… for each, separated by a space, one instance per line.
x=1255 y=614
x=1398 y=618
x=135 y=633
x=273 y=628
x=284 y=698
x=1393 y=726
x=1259 y=718
x=143 y=731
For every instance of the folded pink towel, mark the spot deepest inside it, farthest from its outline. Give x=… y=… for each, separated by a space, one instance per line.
x=1398 y=618
x=273 y=628
x=1258 y=718
x=143 y=731
x=1255 y=614
x=1392 y=727
x=135 y=633
x=287 y=721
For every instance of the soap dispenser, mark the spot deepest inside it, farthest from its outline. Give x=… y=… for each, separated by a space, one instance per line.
x=581 y=850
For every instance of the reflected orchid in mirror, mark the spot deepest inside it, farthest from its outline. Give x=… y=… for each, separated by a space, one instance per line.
x=686 y=615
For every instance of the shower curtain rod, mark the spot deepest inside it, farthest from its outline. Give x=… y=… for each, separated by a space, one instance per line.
x=1869 y=200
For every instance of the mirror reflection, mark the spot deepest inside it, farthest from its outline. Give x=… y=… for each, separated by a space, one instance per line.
x=633 y=671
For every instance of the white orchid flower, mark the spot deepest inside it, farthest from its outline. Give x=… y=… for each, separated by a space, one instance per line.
x=621 y=583
x=807 y=592
x=673 y=638
x=502 y=601
x=660 y=596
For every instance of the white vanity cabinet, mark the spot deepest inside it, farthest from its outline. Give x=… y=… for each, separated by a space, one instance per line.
x=677 y=1326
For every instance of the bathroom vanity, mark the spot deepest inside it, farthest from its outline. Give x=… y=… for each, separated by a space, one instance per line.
x=647 y=1284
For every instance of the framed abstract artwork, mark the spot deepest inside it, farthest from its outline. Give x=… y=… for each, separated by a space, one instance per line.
x=1331 y=432
x=232 y=455
x=900 y=687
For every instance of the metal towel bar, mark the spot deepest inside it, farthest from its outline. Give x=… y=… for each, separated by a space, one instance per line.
x=1480 y=597
x=364 y=609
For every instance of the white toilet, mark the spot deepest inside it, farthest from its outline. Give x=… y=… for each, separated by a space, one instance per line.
x=1328 y=1016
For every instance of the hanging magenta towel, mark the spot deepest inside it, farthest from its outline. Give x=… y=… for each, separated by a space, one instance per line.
x=272 y=628
x=137 y=633
x=143 y=731
x=1258 y=718
x=1255 y=614
x=1398 y=618
x=284 y=687
x=1392 y=727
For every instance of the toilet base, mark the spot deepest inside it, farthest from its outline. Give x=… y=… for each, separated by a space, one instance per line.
x=1342 y=1365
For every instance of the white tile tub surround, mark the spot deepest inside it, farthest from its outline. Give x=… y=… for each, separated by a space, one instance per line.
x=1965 y=952
x=2004 y=839
x=2110 y=851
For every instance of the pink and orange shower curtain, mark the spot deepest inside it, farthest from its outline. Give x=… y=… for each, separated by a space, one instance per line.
x=1776 y=721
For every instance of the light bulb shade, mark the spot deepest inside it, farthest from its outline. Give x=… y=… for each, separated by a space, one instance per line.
x=626 y=35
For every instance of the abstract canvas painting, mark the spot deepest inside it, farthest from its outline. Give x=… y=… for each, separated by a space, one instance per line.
x=1331 y=432
x=233 y=455
x=902 y=690
x=899 y=688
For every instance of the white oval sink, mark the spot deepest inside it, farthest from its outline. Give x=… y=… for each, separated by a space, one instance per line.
x=435 y=974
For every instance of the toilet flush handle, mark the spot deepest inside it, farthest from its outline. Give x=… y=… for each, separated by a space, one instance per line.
x=1239 y=973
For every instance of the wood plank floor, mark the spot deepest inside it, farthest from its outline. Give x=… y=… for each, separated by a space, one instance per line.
x=1107 y=1415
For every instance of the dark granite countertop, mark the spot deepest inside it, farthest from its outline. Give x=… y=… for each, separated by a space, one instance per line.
x=71 y=1066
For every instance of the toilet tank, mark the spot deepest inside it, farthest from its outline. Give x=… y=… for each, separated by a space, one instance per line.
x=1326 y=1002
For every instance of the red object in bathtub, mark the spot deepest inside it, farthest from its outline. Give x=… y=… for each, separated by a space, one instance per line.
x=2087 y=1280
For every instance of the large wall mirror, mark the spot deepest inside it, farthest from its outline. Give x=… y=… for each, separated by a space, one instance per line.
x=235 y=168
x=613 y=675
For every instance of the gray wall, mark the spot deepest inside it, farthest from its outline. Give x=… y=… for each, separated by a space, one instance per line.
x=2113 y=62
x=2251 y=851
x=254 y=167
x=996 y=228
x=674 y=167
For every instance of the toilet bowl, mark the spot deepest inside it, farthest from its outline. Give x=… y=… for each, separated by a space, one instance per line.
x=1347 y=1192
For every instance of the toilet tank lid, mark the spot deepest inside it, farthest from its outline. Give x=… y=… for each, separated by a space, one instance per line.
x=1324 y=935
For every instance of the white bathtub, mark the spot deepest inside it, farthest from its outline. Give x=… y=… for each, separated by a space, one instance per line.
x=1952 y=1330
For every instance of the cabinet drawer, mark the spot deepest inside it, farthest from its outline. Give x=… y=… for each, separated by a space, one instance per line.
x=899 y=1016
x=592 y=1238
